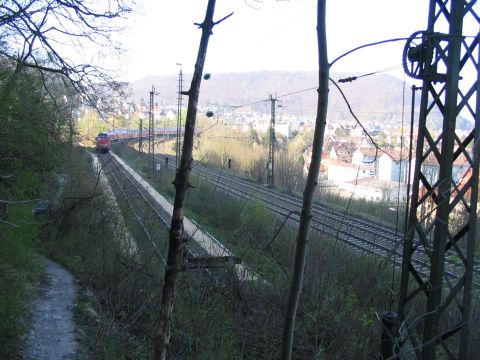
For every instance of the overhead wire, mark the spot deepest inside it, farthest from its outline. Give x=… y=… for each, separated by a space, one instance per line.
x=374 y=143
x=268 y=99
x=282 y=27
x=378 y=148
x=257 y=5
x=385 y=41
x=315 y=87
x=366 y=45
x=353 y=78
x=297 y=92
x=248 y=104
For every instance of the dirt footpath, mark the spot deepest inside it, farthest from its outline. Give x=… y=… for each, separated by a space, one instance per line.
x=53 y=330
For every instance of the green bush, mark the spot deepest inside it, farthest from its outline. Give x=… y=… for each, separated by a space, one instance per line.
x=342 y=293
x=19 y=270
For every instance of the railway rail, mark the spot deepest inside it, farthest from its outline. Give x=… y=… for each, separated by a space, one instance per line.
x=149 y=216
x=203 y=251
x=355 y=232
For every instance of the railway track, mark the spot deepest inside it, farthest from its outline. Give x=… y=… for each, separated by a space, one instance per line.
x=203 y=251
x=150 y=218
x=355 y=232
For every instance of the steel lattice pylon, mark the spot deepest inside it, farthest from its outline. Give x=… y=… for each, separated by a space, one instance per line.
x=151 y=130
x=435 y=296
x=271 y=146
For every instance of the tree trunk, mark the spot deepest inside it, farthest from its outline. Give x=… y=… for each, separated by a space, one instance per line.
x=176 y=243
x=312 y=180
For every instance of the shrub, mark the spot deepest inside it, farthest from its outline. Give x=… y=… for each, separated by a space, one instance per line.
x=19 y=270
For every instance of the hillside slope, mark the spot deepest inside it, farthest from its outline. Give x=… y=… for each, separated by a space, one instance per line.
x=376 y=99
x=378 y=95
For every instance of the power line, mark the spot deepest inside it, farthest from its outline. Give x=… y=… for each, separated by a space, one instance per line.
x=364 y=46
x=353 y=78
x=315 y=87
x=286 y=24
x=268 y=99
x=298 y=92
x=248 y=104
x=377 y=147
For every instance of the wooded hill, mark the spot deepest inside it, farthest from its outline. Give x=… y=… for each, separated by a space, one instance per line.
x=377 y=97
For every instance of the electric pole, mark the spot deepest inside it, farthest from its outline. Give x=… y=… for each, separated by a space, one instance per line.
x=447 y=64
x=178 y=142
x=151 y=130
x=140 y=133
x=271 y=146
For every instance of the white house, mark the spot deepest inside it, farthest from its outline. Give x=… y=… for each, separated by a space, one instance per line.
x=363 y=156
x=392 y=170
x=431 y=170
x=375 y=190
x=283 y=128
x=367 y=158
x=342 y=151
x=340 y=173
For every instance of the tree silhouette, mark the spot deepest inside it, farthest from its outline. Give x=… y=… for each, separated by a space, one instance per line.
x=312 y=181
x=176 y=241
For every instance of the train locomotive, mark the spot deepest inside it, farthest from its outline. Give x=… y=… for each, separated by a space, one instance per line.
x=104 y=139
x=102 y=143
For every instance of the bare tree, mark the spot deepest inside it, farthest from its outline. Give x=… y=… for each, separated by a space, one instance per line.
x=289 y=171
x=312 y=180
x=37 y=39
x=176 y=242
x=41 y=34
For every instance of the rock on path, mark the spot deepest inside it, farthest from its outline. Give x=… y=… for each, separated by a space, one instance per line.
x=53 y=332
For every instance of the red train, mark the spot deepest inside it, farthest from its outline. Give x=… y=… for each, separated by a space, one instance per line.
x=126 y=134
x=102 y=143
x=104 y=139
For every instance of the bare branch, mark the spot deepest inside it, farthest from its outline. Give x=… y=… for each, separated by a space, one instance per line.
x=41 y=28
x=222 y=19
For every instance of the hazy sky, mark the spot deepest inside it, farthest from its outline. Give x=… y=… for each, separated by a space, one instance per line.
x=277 y=35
